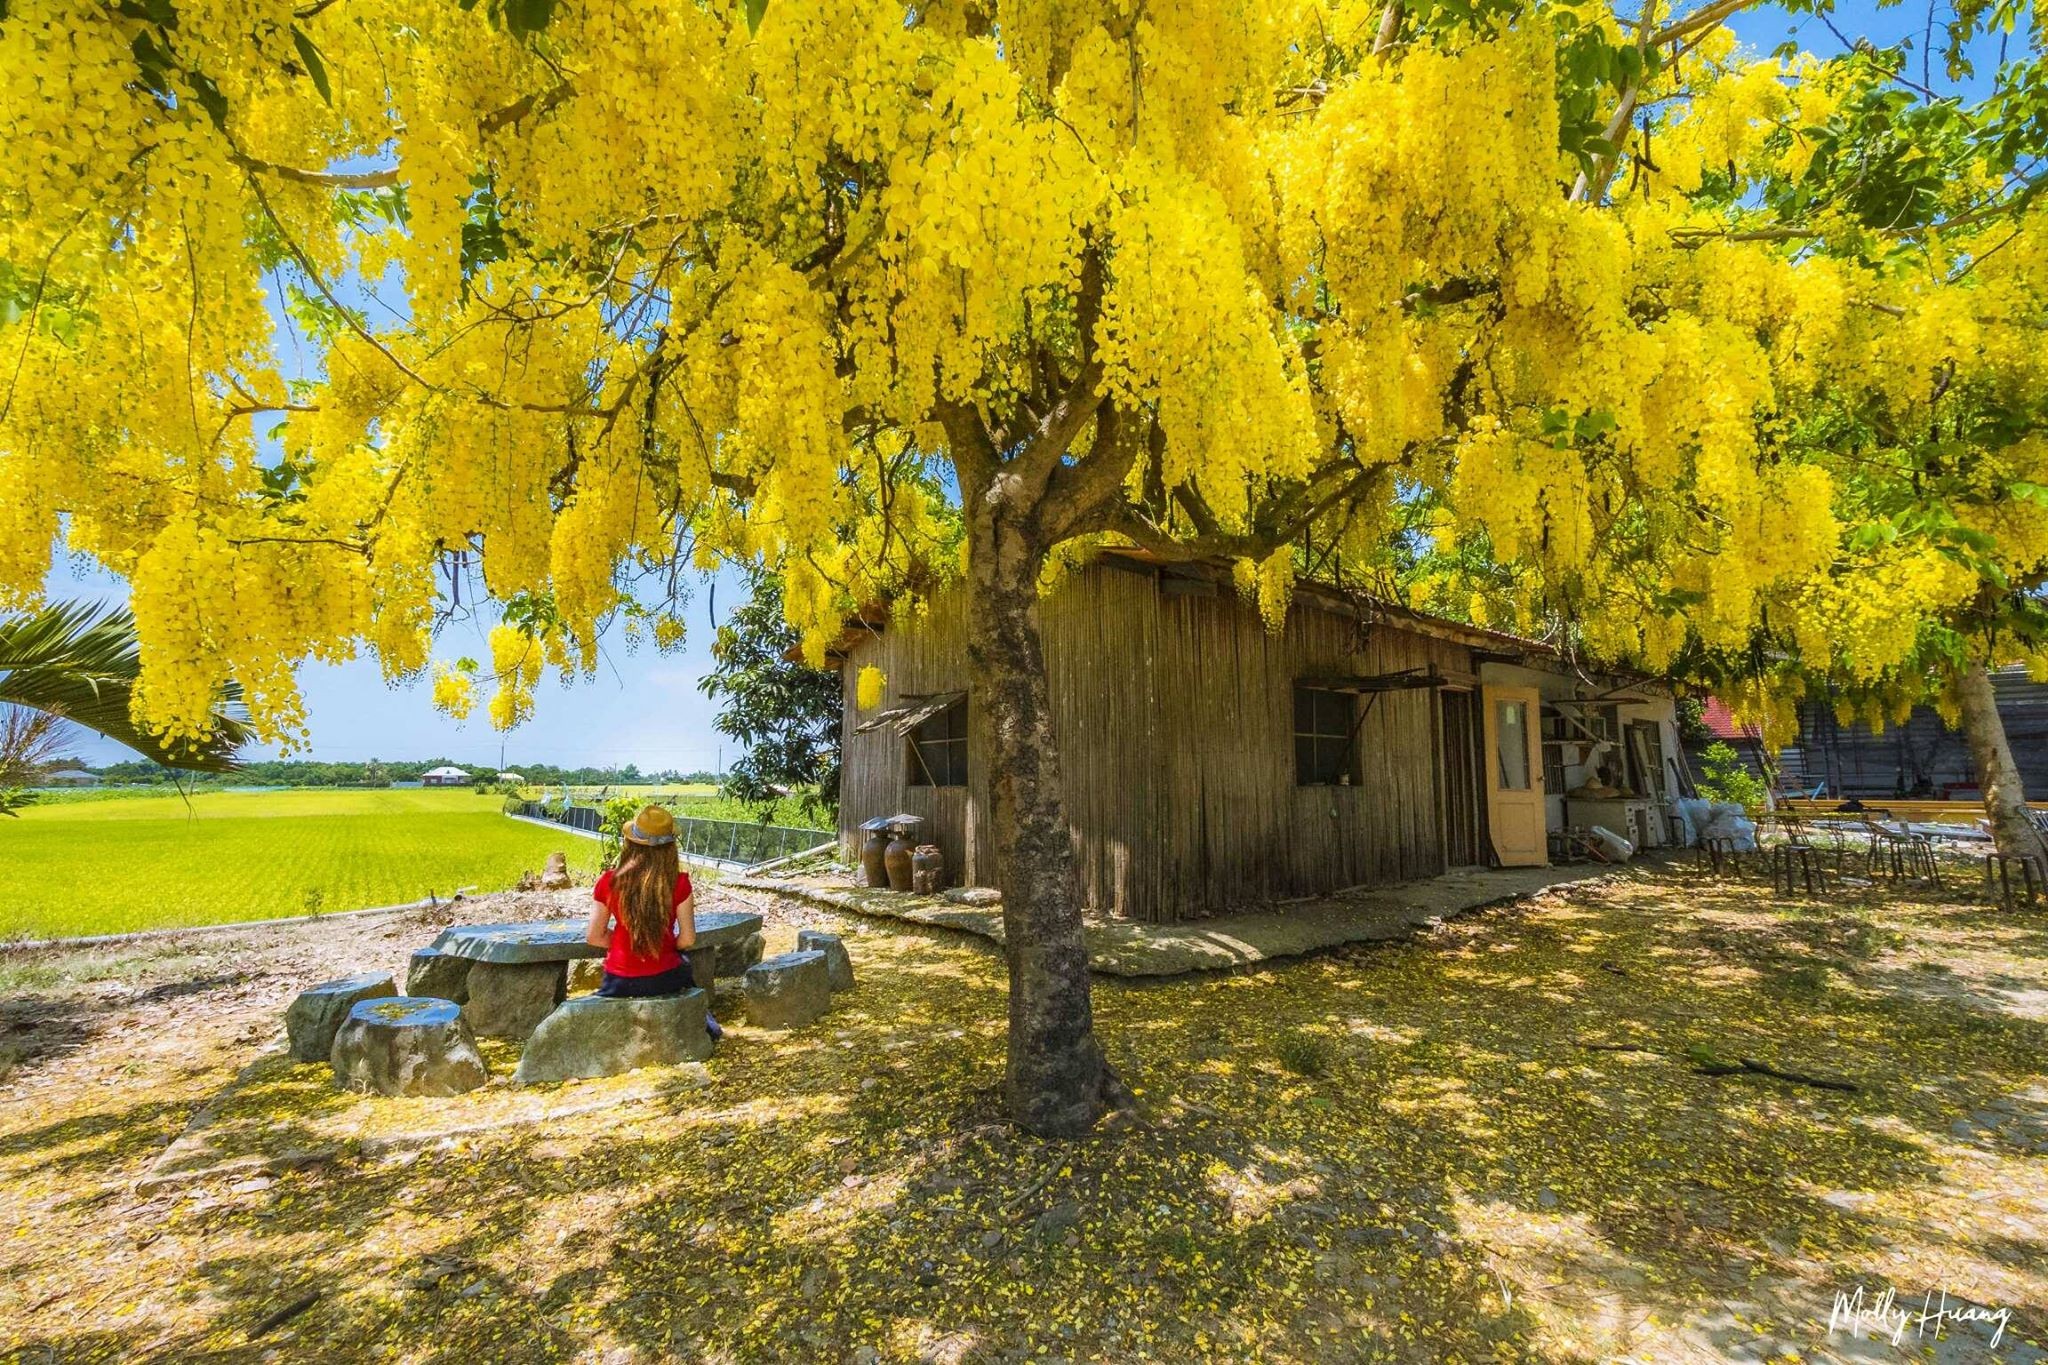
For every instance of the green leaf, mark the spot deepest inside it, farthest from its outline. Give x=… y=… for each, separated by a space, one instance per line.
x=528 y=16
x=210 y=99
x=80 y=660
x=315 y=67
x=755 y=9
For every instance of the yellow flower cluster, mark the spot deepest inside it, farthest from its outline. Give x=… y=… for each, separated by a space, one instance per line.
x=1267 y=584
x=867 y=691
x=563 y=313
x=516 y=659
x=454 y=691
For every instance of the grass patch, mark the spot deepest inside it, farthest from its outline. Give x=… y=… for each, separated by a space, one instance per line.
x=1306 y=1054
x=155 y=862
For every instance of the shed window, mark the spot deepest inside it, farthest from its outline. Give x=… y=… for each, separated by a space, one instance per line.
x=938 y=749
x=1324 y=754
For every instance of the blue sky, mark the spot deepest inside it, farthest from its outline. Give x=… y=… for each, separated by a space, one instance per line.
x=646 y=708
x=641 y=708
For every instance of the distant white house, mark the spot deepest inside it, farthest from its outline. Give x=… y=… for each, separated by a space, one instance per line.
x=511 y=777
x=444 y=776
x=71 y=777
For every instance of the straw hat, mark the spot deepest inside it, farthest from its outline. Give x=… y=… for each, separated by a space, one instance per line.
x=653 y=827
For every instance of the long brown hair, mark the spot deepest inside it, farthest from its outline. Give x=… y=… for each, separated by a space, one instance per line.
x=644 y=884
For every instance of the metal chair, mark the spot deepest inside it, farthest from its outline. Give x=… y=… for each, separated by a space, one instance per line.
x=1717 y=851
x=1899 y=854
x=1795 y=864
x=1998 y=868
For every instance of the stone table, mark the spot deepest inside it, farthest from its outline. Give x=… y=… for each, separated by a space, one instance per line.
x=521 y=970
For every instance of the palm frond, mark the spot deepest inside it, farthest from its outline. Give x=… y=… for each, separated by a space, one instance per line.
x=80 y=661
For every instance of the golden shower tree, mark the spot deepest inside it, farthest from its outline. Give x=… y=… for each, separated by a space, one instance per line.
x=309 y=308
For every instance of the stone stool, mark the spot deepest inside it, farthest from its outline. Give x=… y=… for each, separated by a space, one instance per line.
x=509 y=999
x=838 y=965
x=434 y=973
x=788 y=990
x=407 y=1045
x=592 y=1035
x=314 y=1018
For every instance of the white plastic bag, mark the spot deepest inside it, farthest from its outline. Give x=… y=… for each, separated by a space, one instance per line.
x=1617 y=849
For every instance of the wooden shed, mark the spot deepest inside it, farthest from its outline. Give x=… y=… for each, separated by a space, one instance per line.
x=1210 y=763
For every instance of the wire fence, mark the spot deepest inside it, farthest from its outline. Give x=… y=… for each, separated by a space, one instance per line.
x=724 y=841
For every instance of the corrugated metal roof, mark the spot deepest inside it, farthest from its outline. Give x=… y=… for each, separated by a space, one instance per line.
x=1720 y=721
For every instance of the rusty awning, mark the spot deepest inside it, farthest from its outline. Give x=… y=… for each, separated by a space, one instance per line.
x=904 y=719
x=1402 y=681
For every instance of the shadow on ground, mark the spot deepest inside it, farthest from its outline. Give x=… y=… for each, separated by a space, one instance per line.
x=1424 y=1152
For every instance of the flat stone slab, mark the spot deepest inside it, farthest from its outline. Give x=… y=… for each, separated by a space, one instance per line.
x=561 y=940
x=1380 y=914
x=593 y=1036
x=788 y=990
x=318 y=1012
x=407 y=1045
x=509 y=999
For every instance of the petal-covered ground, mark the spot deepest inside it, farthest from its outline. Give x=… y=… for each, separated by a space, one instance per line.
x=1539 y=1133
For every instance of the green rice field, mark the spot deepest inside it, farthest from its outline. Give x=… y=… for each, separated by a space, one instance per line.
x=155 y=862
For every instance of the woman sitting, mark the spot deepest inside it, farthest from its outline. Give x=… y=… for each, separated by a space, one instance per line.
x=645 y=916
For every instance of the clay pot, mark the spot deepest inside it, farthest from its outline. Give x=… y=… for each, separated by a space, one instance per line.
x=896 y=857
x=872 y=854
x=927 y=869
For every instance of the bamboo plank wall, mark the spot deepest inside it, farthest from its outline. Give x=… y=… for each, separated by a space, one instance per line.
x=1176 y=721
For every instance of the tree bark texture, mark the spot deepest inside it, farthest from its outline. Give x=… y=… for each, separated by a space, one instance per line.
x=2005 y=798
x=1057 y=1081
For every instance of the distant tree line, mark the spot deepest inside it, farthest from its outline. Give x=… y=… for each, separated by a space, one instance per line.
x=377 y=772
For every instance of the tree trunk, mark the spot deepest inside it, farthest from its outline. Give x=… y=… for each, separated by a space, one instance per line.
x=2005 y=798
x=1058 y=1082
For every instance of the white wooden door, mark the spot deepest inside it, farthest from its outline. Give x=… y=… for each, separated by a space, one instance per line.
x=1514 y=776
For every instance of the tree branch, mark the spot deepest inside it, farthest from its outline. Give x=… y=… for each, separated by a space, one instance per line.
x=1390 y=26
x=1047 y=446
x=1286 y=519
x=331 y=180
x=536 y=104
x=1080 y=497
x=974 y=455
x=1700 y=19
x=1592 y=188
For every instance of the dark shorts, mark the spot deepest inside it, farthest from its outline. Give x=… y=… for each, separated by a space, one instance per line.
x=674 y=981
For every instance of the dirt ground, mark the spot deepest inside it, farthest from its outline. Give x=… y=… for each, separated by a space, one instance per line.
x=1538 y=1133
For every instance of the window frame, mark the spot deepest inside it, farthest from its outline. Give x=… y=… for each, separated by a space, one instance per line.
x=1531 y=772
x=920 y=749
x=1322 y=733
x=1554 y=740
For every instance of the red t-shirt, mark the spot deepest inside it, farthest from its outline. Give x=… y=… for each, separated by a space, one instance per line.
x=622 y=960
